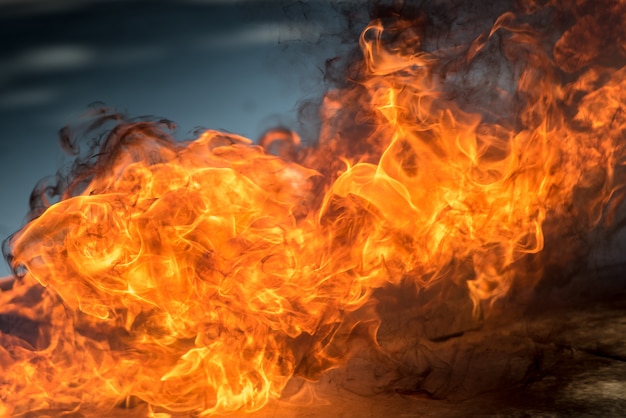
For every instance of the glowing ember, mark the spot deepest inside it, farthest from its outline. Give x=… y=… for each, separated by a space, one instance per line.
x=201 y=276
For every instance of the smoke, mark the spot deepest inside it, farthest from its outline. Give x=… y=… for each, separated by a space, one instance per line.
x=512 y=63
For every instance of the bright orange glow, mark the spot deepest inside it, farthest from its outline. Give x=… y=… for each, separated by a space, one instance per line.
x=201 y=276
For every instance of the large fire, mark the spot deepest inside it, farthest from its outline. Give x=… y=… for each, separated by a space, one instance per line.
x=202 y=276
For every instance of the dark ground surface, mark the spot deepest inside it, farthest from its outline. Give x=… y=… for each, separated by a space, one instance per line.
x=562 y=356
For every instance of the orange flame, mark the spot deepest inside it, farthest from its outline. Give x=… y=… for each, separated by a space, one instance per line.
x=201 y=276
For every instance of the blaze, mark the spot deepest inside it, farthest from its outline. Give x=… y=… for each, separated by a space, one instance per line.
x=201 y=276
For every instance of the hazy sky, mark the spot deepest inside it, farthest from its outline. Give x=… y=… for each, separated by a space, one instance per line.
x=234 y=65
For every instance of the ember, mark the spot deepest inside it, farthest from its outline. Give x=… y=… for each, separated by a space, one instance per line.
x=202 y=276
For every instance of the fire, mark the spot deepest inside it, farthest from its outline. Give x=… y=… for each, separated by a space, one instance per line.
x=202 y=276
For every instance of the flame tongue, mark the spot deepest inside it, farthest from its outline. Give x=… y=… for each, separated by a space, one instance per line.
x=196 y=259
x=201 y=276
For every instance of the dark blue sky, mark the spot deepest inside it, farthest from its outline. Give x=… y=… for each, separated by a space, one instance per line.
x=241 y=66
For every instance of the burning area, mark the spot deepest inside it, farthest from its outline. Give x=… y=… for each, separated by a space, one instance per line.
x=466 y=158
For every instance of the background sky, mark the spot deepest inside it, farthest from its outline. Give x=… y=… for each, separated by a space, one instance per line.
x=240 y=66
